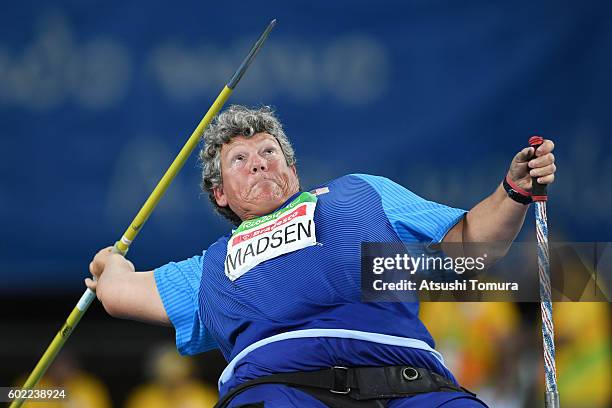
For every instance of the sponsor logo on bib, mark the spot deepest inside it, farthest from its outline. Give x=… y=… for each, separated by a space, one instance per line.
x=286 y=230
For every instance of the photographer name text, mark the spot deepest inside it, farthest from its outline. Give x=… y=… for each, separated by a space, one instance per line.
x=428 y=285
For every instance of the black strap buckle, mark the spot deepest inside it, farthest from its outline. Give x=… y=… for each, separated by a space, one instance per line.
x=340 y=380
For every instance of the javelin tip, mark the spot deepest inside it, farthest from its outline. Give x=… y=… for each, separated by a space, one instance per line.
x=249 y=58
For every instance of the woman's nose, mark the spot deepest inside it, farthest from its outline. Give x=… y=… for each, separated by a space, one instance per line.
x=258 y=164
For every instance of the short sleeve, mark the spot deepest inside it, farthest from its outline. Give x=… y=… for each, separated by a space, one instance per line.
x=178 y=284
x=413 y=218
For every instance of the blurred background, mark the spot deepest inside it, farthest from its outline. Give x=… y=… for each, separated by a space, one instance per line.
x=96 y=99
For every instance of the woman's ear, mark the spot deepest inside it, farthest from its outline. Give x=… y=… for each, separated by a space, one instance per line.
x=220 y=197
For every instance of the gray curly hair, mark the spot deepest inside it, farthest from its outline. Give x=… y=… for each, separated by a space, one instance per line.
x=237 y=120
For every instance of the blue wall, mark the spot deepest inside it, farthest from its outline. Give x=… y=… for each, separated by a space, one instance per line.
x=97 y=97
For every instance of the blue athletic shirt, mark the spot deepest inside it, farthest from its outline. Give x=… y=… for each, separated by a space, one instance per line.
x=302 y=311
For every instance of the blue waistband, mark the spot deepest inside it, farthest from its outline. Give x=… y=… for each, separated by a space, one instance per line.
x=314 y=353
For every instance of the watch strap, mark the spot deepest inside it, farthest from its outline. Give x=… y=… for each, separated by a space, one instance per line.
x=516 y=193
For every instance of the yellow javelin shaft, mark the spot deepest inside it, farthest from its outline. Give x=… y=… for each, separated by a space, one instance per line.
x=123 y=245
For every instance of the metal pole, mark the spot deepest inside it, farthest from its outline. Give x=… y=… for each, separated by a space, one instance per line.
x=539 y=196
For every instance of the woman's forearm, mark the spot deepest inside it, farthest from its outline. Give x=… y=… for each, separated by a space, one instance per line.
x=123 y=292
x=497 y=218
x=495 y=221
x=134 y=296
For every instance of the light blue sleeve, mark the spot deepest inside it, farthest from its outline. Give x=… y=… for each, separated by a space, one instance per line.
x=178 y=284
x=413 y=218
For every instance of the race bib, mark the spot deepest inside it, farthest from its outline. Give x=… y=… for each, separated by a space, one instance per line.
x=286 y=230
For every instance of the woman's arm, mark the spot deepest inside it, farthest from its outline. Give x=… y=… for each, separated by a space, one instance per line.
x=498 y=218
x=123 y=292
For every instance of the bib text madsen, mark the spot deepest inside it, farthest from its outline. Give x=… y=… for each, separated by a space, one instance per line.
x=291 y=233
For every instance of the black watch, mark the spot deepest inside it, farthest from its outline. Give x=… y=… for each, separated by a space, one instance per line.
x=517 y=194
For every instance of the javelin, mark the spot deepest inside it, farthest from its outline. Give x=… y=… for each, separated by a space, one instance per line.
x=540 y=196
x=123 y=245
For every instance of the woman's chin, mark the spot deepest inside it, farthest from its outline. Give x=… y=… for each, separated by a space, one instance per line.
x=264 y=192
x=267 y=201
